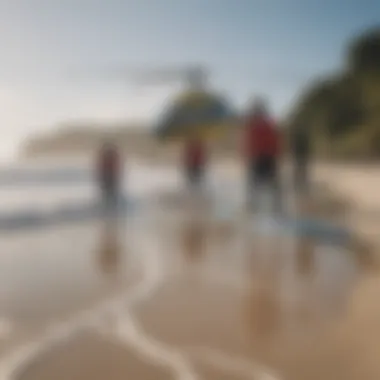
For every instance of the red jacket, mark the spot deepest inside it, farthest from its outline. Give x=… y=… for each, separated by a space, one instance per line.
x=195 y=153
x=261 y=138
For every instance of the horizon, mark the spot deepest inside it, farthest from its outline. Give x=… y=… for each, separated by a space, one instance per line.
x=279 y=45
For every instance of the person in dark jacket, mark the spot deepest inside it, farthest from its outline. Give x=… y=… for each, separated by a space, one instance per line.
x=262 y=150
x=194 y=161
x=301 y=150
x=109 y=174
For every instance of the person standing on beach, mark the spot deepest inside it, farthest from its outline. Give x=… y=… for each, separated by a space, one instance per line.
x=301 y=149
x=109 y=174
x=194 y=161
x=262 y=150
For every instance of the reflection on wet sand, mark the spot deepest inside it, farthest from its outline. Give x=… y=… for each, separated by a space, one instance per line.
x=193 y=238
x=42 y=285
x=263 y=304
x=294 y=296
x=109 y=248
x=305 y=251
x=275 y=303
x=290 y=307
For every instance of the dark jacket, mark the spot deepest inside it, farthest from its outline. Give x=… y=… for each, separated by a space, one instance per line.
x=109 y=166
x=301 y=144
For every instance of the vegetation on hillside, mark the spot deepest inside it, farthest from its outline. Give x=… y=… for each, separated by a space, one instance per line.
x=342 y=112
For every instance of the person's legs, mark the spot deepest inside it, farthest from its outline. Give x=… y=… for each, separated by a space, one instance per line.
x=305 y=173
x=193 y=176
x=103 y=194
x=199 y=175
x=110 y=194
x=261 y=177
x=301 y=173
x=298 y=174
x=278 y=193
x=189 y=176
x=251 y=183
x=274 y=181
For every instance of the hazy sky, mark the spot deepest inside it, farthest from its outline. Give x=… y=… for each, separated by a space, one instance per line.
x=254 y=46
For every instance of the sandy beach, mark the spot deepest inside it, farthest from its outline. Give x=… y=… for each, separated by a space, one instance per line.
x=175 y=294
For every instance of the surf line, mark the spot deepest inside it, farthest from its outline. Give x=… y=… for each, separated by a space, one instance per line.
x=128 y=331
x=13 y=364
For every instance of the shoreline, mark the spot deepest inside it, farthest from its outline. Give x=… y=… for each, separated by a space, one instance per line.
x=358 y=190
x=167 y=316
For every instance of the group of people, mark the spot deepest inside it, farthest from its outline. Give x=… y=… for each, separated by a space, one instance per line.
x=262 y=149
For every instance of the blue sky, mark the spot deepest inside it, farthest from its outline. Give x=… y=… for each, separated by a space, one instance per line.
x=272 y=47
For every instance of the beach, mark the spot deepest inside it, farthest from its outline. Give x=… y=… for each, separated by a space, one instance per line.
x=178 y=291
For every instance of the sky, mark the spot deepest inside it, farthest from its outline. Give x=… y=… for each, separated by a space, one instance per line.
x=59 y=57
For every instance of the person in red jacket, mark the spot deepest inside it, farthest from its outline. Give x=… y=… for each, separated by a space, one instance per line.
x=109 y=172
x=194 y=161
x=262 y=150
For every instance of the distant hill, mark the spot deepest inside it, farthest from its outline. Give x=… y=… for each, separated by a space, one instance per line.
x=342 y=112
x=135 y=140
x=85 y=139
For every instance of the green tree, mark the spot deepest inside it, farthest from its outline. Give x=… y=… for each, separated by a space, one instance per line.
x=344 y=110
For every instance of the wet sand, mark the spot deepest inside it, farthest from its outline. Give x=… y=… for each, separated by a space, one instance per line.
x=285 y=317
x=47 y=277
x=358 y=185
x=88 y=356
x=198 y=299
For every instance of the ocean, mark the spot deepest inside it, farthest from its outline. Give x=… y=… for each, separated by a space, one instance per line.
x=44 y=192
